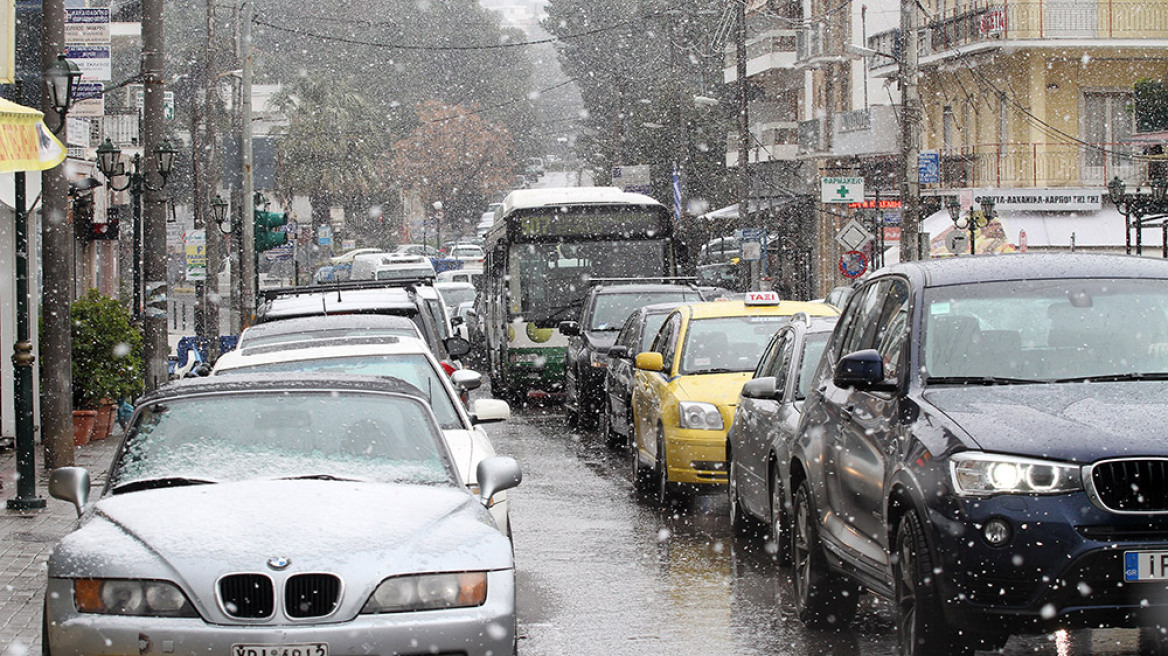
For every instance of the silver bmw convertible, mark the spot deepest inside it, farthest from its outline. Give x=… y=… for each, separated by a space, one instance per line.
x=306 y=516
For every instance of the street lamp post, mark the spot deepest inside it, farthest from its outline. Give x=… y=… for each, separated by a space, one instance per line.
x=1140 y=209
x=62 y=77
x=110 y=164
x=973 y=220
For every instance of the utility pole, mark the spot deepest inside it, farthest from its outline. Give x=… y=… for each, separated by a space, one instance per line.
x=743 y=131
x=210 y=300
x=247 y=256
x=57 y=266
x=155 y=258
x=910 y=133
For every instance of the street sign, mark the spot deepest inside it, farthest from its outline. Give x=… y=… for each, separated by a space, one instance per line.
x=87 y=25
x=853 y=264
x=957 y=241
x=324 y=235
x=853 y=235
x=167 y=102
x=750 y=240
x=929 y=167
x=841 y=190
x=93 y=60
x=196 y=254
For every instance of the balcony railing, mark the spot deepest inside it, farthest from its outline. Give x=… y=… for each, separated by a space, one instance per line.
x=1047 y=164
x=772 y=50
x=1031 y=20
x=822 y=40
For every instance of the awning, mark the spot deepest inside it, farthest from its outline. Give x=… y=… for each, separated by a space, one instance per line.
x=25 y=143
x=1099 y=229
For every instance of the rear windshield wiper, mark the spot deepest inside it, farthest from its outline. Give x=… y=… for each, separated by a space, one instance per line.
x=981 y=380
x=160 y=482
x=1112 y=378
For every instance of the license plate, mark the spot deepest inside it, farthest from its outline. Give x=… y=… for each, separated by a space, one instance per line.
x=304 y=649
x=1145 y=565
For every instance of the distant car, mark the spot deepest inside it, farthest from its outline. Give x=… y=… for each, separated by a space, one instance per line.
x=467 y=253
x=635 y=336
x=766 y=421
x=471 y=274
x=603 y=312
x=982 y=445
x=455 y=294
x=687 y=385
x=403 y=358
x=392 y=266
x=327 y=327
x=418 y=249
x=300 y=515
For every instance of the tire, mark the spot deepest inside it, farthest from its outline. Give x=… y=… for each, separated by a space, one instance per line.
x=611 y=439
x=921 y=629
x=741 y=523
x=668 y=493
x=823 y=598
x=642 y=476
x=780 y=524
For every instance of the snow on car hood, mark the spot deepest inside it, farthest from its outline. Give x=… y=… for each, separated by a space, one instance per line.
x=1075 y=422
x=719 y=389
x=361 y=531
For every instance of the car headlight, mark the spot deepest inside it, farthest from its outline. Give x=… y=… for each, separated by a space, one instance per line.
x=984 y=474
x=428 y=592
x=130 y=597
x=702 y=416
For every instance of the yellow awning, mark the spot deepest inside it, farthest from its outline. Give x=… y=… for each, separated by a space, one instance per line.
x=26 y=144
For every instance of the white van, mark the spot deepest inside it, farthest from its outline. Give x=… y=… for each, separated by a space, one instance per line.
x=391 y=266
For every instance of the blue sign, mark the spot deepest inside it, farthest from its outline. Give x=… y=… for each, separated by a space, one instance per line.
x=929 y=168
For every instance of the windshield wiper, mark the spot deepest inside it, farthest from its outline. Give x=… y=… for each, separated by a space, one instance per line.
x=1112 y=378
x=718 y=370
x=318 y=477
x=560 y=309
x=981 y=380
x=160 y=482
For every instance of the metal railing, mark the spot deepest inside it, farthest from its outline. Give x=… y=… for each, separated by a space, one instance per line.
x=1046 y=164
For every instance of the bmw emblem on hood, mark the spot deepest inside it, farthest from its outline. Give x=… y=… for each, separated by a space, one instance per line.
x=279 y=562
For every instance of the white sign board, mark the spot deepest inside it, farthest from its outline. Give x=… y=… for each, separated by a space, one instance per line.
x=841 y=190
x=90 y=101
x=87 y=25
x=853 y=236
x=94 y=61
x=7 y=41
x=196 y=254
x=1042 y=200
x=167 y=102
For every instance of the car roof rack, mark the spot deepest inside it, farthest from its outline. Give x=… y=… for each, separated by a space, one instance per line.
x=344 y=285
x=689 y=280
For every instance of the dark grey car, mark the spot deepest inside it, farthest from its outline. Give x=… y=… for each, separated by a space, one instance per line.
x=758 y=445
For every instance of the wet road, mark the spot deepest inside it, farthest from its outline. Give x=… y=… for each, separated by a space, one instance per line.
x=602 y=572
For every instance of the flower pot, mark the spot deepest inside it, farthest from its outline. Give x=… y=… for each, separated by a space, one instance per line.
x=83 y=421
x=104 y=425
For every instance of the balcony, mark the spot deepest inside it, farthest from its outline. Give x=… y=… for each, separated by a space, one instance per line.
x=773 y=50
x=812 y=137
x=1046 y=164
x=776 y=141
x=871 y=131
x=1030 y=20
x=821 y=42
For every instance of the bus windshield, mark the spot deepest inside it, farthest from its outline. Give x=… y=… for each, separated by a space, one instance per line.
x=553 y=277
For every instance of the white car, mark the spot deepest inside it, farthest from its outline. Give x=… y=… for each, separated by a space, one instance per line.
x=404 y=358
x=467 y=253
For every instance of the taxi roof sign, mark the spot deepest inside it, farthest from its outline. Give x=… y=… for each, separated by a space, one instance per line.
x=761 y=298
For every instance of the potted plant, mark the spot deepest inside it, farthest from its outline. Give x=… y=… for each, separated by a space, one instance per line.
x=107 y=357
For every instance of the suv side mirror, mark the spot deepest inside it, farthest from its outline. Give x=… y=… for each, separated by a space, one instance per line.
x=863 y=370
x=489 y=411
x=619 y=351
x=465 y=380
x=650 y=361
x=456 y=347
x=70 y=484
x=763 y=389
x=570 y=328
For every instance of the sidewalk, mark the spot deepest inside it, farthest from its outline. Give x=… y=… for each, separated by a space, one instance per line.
x=26 y=539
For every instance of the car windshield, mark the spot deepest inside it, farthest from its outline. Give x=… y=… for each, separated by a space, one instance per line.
x=610 y=310
x=1045 y=330
x=240 y=436
x=727 y=344
x=413 y=368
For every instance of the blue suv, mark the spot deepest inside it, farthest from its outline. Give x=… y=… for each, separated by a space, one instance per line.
x=985 y=444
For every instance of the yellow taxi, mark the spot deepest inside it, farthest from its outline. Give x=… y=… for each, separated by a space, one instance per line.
x=687 y=387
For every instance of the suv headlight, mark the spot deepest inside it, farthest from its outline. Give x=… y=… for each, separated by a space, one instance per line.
x=984 y=474
x=130 y=597
x=428 y=592
x=701 y=416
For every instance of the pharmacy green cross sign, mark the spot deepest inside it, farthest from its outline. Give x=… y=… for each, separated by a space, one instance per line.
x=841 y=190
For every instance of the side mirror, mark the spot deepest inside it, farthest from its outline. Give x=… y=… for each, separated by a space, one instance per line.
x=650 y=361
x=495 y=475
x=465 y=380
x=456 y=346
x=70 y=484
x=570 y=328
x=619 y=351
x=862 y=370
x=764 y=389
x=456 y=321
x=489 y=411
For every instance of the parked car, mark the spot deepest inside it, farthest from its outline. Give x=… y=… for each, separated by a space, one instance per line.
x=603 y=312
x=406 y=359
x=467 y=253
x=981 y=446
x=635 y=336
x=327 y=327
x=300 y=515
x=471 y=274
x=687 y=386
x=758 y=444
x=454 y=294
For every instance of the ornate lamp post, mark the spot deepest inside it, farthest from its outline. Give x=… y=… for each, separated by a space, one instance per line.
x=1140 y=209
x=62 y=77
x=110 y=164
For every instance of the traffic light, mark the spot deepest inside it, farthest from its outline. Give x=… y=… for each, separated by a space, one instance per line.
x=266 y=237
x=107 y=229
